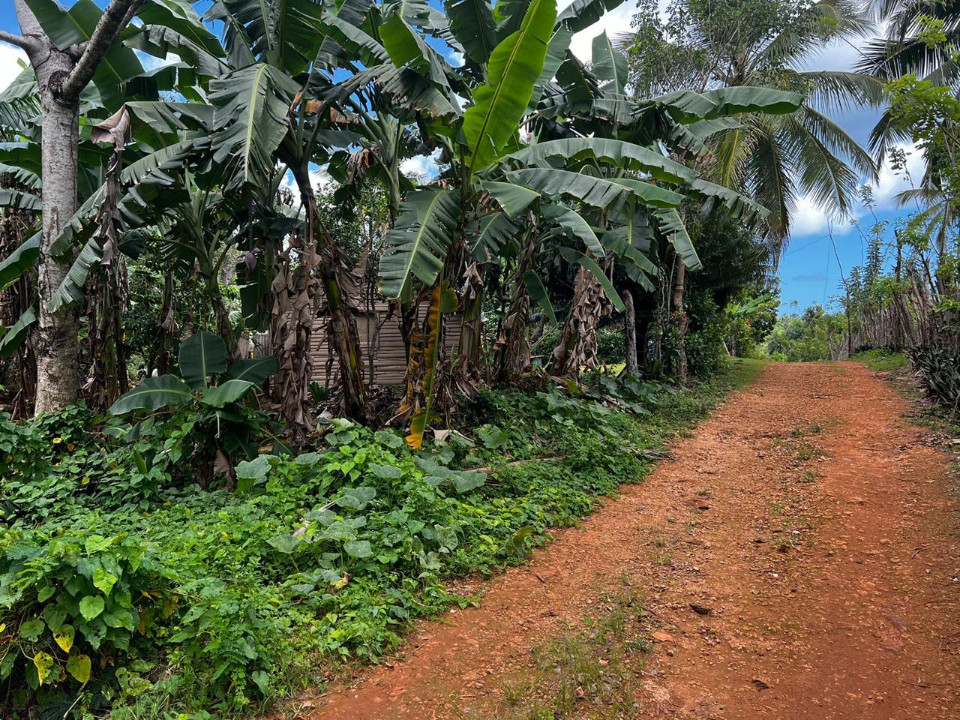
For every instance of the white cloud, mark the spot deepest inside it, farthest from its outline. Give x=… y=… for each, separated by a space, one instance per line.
x=421 y=167
x=9 y=65
x=808 y=219
x=456 y=58
x=892 y=182
x=614 y=22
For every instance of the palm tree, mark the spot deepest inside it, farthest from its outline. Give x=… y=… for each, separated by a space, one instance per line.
x=774 y=159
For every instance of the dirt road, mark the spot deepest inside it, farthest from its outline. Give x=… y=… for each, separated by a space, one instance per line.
x=798 y=560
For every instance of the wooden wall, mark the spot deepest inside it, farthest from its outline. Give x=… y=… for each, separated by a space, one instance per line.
x=387 y=363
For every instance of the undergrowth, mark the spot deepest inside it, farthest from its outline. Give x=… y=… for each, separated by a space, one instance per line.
x=882 y=360
x=129 y=591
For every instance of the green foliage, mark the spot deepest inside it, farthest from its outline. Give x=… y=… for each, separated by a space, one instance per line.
x=806 y=338
x=186 y=599
x=882 y=360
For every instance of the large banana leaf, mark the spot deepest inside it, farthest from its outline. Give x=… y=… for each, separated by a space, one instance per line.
x=19 y=261
x=492 y=233
x=671 y=225
x=472 y=23
x=19 y=200
x=153 y=394
x=556 y=53
x=514 y=68
x=512 y=198
x=417 y=244
x=687 y=106
x=201 y=355
x=12 y=337
x=616 y=152
x=538 y=293
x=594 y=191
x=251 y=118
x=651 y=195
x=179 y=16
x=609 y=64
x=355 y=41
x=255 y=370
x=571 y=223
x=581 y=14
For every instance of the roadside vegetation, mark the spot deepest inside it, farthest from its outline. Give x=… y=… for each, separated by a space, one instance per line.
x=211 y=215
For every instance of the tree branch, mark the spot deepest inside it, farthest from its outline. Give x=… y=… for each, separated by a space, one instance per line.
x=32 y=35
x=115 y=18
x=18 y=40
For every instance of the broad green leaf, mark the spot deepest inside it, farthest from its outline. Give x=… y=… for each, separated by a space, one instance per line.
x=91 y=606
x=24 y=258
x=686 y=106
x=386 y=472
x=153 y=394
x=606 y=150
x=250 y=118
x=609 y=64
x=79 y=667
x=514 y=68
x=472 y=23
x=464 y=482
x=284 y=543
x=581 y=14
x=31 y=629
x=597 y=192
x=225 y=393
x=104 y=581
x=446 y=536
x=358 y=548
x=572 y=224
x=651 y=195
x=538 y=293
x=357 y=498
x=417 y=245
x=201 y=355
x=13 y=336
x=19 y=200
x=514 y=199
x=255 y=370
x=671 y=225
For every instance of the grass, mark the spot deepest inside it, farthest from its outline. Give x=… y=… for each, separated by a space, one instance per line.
x=882 y=360
x=594 y=672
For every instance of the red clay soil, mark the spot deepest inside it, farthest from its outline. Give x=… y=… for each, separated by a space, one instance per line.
x=807 y=515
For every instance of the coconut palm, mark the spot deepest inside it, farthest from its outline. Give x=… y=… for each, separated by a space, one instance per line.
x=774 y=159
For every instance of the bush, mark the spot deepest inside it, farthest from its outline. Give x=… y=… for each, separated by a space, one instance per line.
x=193 y=600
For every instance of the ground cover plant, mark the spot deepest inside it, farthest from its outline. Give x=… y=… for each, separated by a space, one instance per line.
x=144 y=592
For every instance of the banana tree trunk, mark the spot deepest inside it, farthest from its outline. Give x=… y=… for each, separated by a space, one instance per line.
x=630 y=334
x=471 y=329
x=578 y=342
x=337 y=285
x=513 y=345
x=679 y=316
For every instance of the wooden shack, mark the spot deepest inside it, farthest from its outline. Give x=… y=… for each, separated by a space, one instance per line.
x=382 y=352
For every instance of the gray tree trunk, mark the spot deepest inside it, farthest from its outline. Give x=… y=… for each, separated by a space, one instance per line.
x=630 y=332
x=56 y=334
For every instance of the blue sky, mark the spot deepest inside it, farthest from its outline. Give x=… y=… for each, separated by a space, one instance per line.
x=809 y=272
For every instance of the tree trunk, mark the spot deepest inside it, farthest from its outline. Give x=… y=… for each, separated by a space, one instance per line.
x=513 y=345
x=578 y=342
x=680 y=316
x=56 y=334
x=630 y=333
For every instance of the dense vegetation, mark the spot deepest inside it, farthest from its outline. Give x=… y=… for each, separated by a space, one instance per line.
x=200 y=512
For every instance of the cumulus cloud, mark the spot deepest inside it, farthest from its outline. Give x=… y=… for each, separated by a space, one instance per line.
x=421 y=168
x=809 y=218
x=9 y=64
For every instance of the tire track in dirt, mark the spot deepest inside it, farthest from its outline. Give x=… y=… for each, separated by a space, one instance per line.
x=806 y=515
